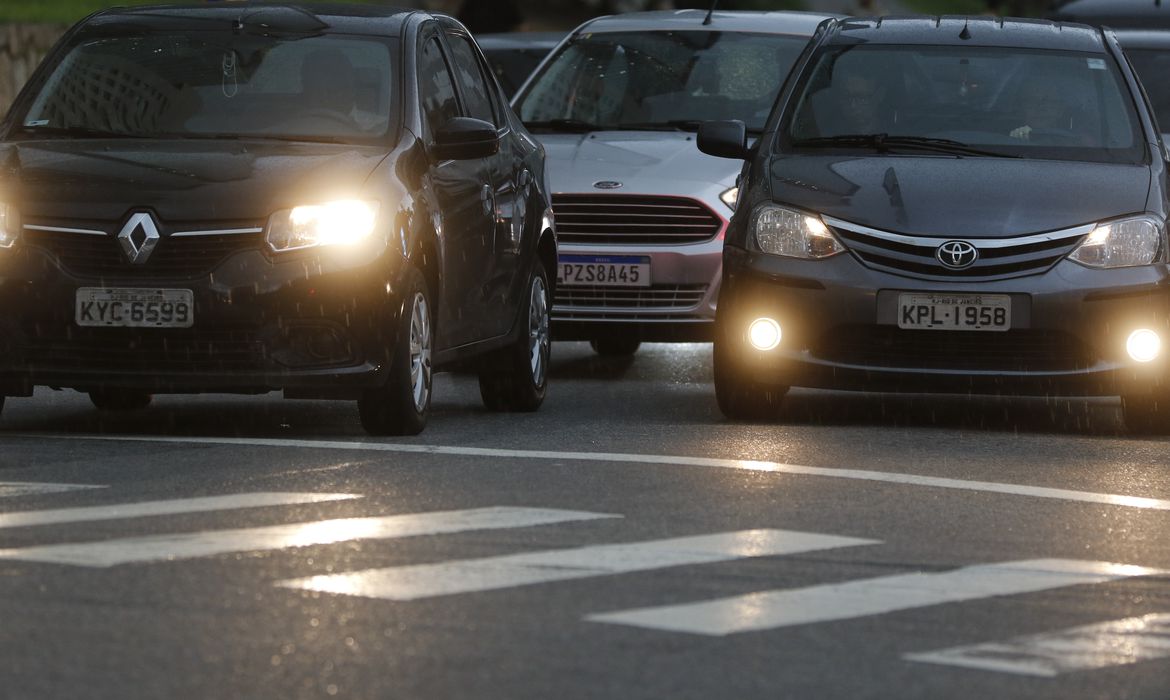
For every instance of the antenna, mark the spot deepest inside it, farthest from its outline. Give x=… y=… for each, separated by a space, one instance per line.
x=714 y=4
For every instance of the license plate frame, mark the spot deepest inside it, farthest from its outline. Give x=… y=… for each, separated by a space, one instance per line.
x=603 y=271
x=944 y=311
x=133 y=307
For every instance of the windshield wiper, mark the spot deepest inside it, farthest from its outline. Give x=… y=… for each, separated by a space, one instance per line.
x=76 y=131
x=568 y=125
x=884 y=142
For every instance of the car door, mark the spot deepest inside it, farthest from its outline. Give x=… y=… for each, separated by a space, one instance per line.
x=463 y=195
x=480 y=99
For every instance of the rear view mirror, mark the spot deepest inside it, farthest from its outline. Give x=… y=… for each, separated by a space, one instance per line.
x=725 y=139
x=464 y=138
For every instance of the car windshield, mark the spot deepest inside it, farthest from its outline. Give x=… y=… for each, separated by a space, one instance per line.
x=661 y=79
x=978 y=100
x=199 y=84
x=1152 y=65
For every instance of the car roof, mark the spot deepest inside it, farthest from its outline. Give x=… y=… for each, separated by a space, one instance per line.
x=519 y=40
x=1115 y=13
x=969 y=31
x=1143 y=38
x=342 y=18
x=796 y=23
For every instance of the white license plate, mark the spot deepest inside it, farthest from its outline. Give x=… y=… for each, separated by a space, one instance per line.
x=604 y=270
x=955 y=312
x=135 y=308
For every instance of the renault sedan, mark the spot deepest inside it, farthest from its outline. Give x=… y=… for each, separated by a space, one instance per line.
x=950 y=205
x=330 y=202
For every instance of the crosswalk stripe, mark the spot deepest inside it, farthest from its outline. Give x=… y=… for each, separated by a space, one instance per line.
x=12 y=489
x=476 y=575
x=852 y=599
x=202 y=544
x=144 y=509
x=1114 y=643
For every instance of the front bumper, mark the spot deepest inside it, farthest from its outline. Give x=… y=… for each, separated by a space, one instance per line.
x=840 y=329
x=312 y=325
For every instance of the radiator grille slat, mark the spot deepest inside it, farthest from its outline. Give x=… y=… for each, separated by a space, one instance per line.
x=633 y=220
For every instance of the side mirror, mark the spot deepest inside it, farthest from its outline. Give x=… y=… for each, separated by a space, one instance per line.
x=727 y=139
x=464 y=138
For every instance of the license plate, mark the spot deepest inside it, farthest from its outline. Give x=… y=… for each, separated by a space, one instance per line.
x=135 y=308
x=604 y=270
x=955 y=312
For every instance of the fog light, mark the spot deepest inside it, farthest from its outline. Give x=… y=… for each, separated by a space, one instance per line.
x=1144 y=345
x=764 y=334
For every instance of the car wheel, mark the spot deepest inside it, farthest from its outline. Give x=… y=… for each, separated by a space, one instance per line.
x=739 y=396
x=615 y=347
x=1147 y=414
x=515 y=378
x=401 y=405
x=119 y=399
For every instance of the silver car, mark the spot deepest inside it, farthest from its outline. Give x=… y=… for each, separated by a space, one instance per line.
x=640 y=213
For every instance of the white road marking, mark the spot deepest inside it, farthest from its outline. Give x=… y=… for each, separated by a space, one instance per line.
x=1114 y=643
x=144 y=509
x=665 y=460
x=203 y=544
x=12 y=489
x=493 y=573
x=852 y=599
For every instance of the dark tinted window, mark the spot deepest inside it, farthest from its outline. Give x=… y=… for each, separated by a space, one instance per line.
x=472 y=83
x=1153 y=68
x=435 y=86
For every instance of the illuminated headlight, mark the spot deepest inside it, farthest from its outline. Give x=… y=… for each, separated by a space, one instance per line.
x=781 y=231
x=347 y=222
x=1144 y=345
x=764 y=334
x=730 y=197
x=1123 y=243
x=8 y=226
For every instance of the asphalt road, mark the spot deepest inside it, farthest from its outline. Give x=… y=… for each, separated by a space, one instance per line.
x=624 y=542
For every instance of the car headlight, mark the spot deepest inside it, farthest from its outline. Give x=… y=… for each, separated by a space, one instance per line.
x=346 y=222
x=8 y=226
x=795 y=234
x=730 y=197
x=1123 y=243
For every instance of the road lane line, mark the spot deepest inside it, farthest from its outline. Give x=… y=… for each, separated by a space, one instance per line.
x=664 y=460
x=1087 y=648
x=203 y=544
x=493 y=573
x=12 y=489
x=769 y=610
x=145 y=509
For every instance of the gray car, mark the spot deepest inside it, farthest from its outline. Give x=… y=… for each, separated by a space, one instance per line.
x=950 y=205
x=641 y=214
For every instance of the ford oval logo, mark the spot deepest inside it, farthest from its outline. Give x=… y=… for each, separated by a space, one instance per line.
x=607 y=184
x=957 y=254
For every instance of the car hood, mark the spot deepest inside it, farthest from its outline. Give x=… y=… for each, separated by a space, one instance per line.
x=965 y=197
x=178 y=180
x=647 y=162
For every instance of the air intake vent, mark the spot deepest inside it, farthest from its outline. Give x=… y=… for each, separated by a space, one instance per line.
x=633 y=220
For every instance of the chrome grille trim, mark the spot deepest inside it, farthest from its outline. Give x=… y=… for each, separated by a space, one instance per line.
x=218 y=232
x=625 y=219
x=61 y=229
x=980 y=243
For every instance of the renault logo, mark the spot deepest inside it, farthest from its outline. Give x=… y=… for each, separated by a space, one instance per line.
x=138 y=238
x=957 y=254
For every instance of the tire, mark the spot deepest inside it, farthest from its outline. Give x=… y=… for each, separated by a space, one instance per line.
x=401 y=405
x=120 y=399
x=738 y=395
x=515 y=378
x=1147 y=414
x=615 y=347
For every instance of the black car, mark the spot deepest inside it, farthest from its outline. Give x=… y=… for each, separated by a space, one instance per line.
x=514 y=55
x=956 y=205
x=329 y=201
x=1138 y=14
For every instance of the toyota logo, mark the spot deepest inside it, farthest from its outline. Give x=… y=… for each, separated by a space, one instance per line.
x=957 y=254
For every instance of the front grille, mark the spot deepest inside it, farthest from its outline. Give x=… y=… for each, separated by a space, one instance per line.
x=999 y=258
x=174 y=257
x=633 y=220
x=153 y=350
x=1019 y=350
x=627 y=302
